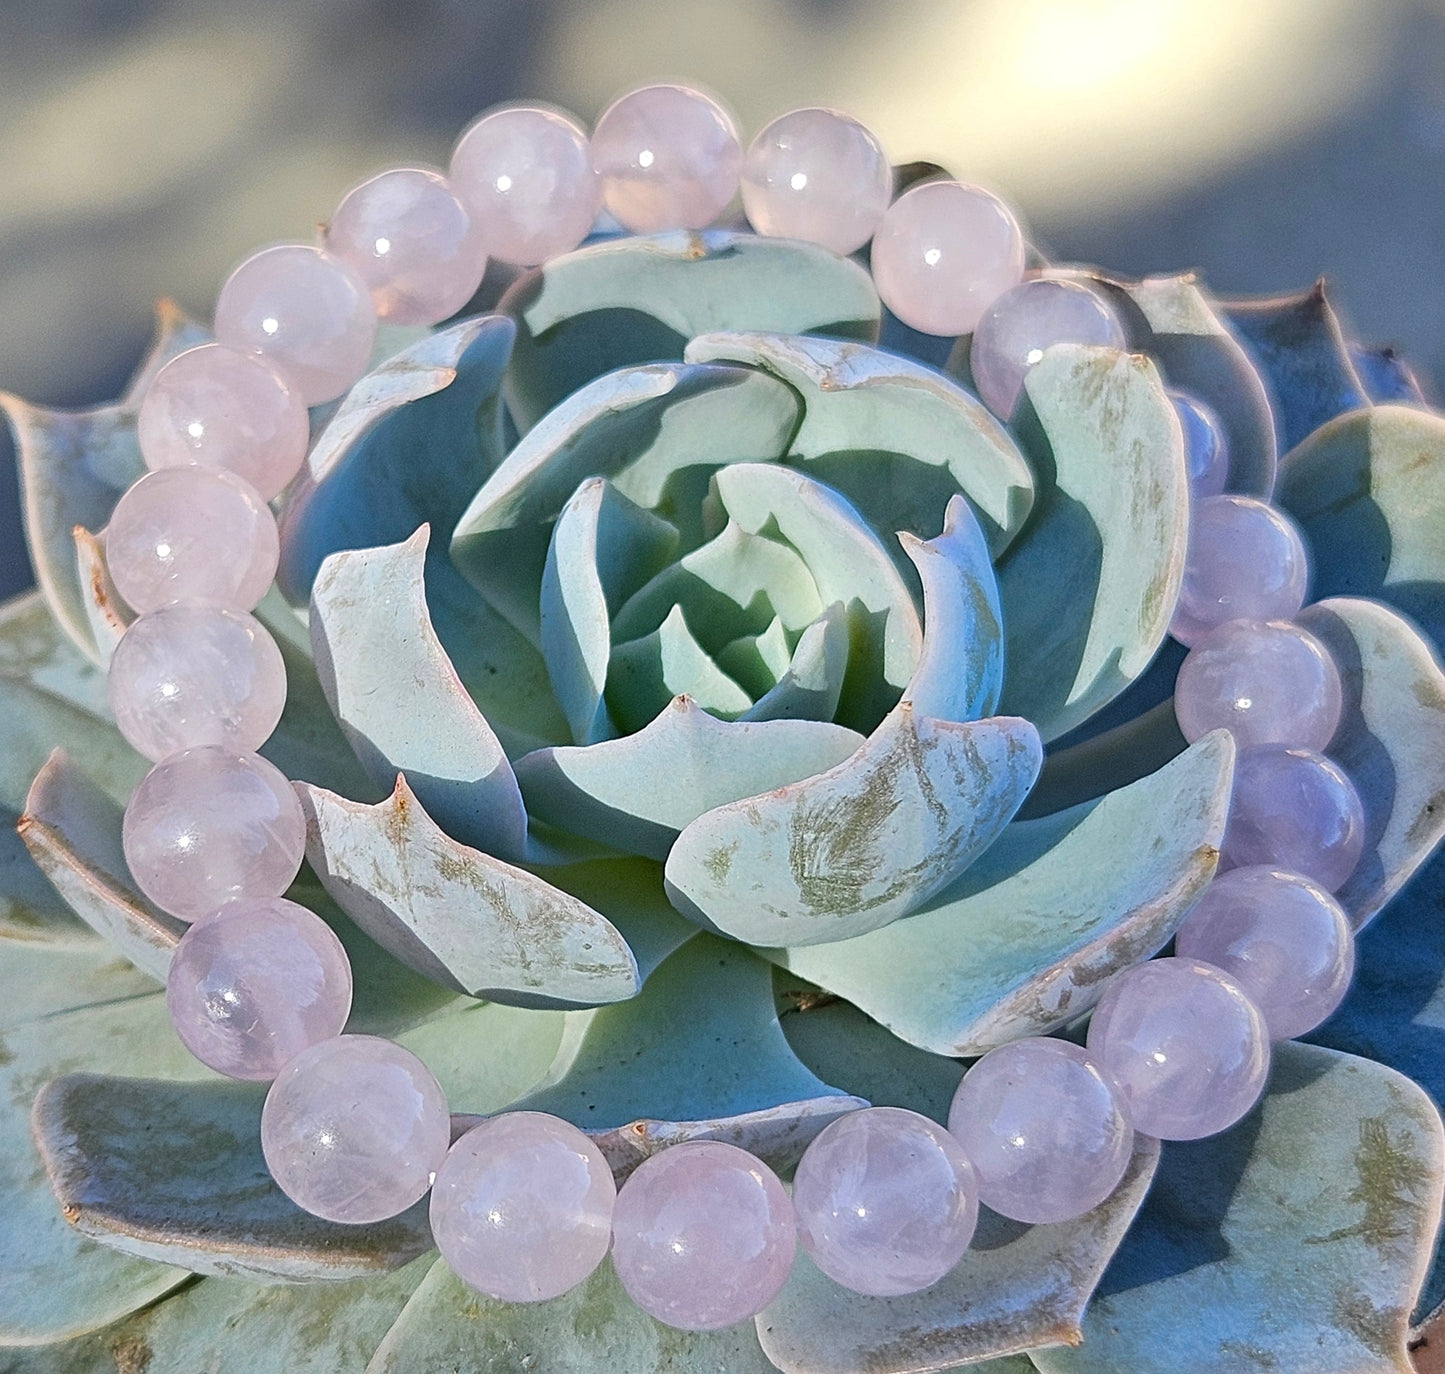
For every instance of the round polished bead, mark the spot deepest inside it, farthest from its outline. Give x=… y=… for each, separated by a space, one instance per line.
x=306 y=311
x=1016 y=329
x=526 y=175
x=886 y=1201
x=196 y=533
x=944 y=253
x=703 y=1236
x=1297 y=810
x=1282 y=938
x=254 y=983
x=220 y=408
x=1246 y=561
x=354 y=1129
x=1266 y=681
x=1206 y=447
x=207 y=826
x=668 y=157
x=817 y=175
x=195 y=673
x=1049 y=1136
x=1183 y=1044
x=522 y=1207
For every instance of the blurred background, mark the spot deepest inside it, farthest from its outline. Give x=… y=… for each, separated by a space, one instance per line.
x=147 y=145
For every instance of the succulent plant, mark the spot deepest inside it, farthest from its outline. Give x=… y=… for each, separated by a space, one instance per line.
x=664 y=766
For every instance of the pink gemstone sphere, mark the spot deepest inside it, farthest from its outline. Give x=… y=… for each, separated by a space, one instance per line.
x=944 y=253
x=817 y=175
x=207 y=826
x=522 y=1207
x=703 y=1236
x=668 y=157
x=354 y=1129
x=526 y=175
x=1184 y=1045
x=1048 y=1134
x=886 y=1201
x=1206 y=448
x=306 y=311
x=220 y=408
x=255 y=983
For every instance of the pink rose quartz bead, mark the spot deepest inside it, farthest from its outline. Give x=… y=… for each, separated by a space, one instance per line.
x=195 y=673
x=191 y=533
x=526 y=175
x=522 y=1207
x=255 y=983
x=817 y=175
x=668 y=157
x=886 y=1201
x=703 y=1236
x=207 y=826
x=944 y=253
x=1206 y=448
x=1049 y=1136
x=354 y=1129
x=220 y=408
x=306 y=311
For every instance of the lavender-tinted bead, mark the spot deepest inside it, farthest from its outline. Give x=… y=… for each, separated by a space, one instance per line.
x=354 y=1129
x=207 y=826
x=220 y=408
x=1206 y=448
x=944 y=253
x=817 y=175
x=195 y=533
x=526 y=175
x=255 y=983
x=1185 y=1046
x=1246 y=561
x=703 y=1236
x=1266 y=681
x=195 y=673
x=1049 y=1136
x=668 y=157
x=1282 y=938
x=1016 y=329
x=886 y=1201
x=522 y=1207
x=306 y=311
x=1297 y=810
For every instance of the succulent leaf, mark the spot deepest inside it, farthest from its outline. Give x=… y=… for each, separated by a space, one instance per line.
x=105 y=612
x=1386 y=376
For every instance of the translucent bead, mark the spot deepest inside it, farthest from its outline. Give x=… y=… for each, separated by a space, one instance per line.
x=1016 y=329
x=1283 y=939
x=207 y=826
x=703 y=1236
x=1185 y=1046
x=944 y=253
x=255 y=983
x=191 y=533
x=220 y=408
x=1048 y=1134
x=1296 y=810
x=817 y=175
x=526 y=175
x=306 y=311
x=194 y=673
x=1246 y=561
x=886 y=1201
x=522 y=1207
x=354 y=1129
x=668 y=157
x=1267 y=682
x=1206 y=447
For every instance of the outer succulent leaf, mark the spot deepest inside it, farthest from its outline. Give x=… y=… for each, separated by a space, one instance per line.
x=636 y=300
x=1297 y=1241
x=1017 y=1288
x=33 y=650
x=1385 y=375
x=1089 y=587
x=41 y=980
x=105 y=612
x=31 y=911
x=810 y=686
x=1028 y=937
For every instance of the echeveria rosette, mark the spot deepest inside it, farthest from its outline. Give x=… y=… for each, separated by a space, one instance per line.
x=668 y=657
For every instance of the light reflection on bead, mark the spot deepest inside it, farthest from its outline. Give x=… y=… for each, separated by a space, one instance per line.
x=1206 y=448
